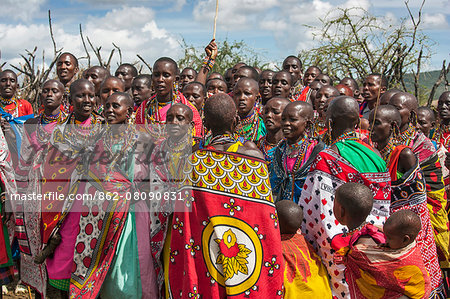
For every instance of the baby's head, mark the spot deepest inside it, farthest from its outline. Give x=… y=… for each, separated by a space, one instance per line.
x=401 y=229
x=352 y=204
x=290 y=216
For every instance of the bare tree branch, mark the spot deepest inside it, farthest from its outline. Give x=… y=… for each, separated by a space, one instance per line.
x=96 y=51
x=120 y=52
x=51 y=32
x=145 y=62
x=108 y=64
x=85 y=48
x=442 y=76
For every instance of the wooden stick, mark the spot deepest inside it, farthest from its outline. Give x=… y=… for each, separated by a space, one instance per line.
x=29 y=292
x=215 y=19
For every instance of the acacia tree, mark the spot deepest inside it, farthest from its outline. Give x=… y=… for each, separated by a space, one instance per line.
x=353 y=42
x=229 y=53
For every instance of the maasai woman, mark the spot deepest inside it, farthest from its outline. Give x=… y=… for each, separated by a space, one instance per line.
x=294 y=66
x=251 y=126
x=209 y=254
x=133 y=256
x=153 y=111
x=348 y=159
x=7 y=188
x=70 y=145
x=33 y=152
x=323 y=97
x=442 y=137
x=424 y=149
x=195 y=93
x=294 y=155
x=109 y=86
x=272 y=120
x=408 y=186
x=67 y=69
x=14 y=112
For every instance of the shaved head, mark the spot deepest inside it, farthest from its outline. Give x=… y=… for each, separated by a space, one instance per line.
x=189 y=113
x=386 y=97
x=389 y=113
x=60 y=85
x=408 y=100
x=356 y=199
x=220 y=112
x=290 y=216
x=306 y=109
x=250 y=81
x=343 y=111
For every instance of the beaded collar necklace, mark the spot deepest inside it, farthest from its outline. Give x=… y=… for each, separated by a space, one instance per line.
x=265 y=147
x=440 y=138
x=387 y=150
x=252 y=123
x=297 y=151
x=48 y=119
x=405 y=138
x=152 y=109
x=6 y=102
x=220 y=139
x=351 y=135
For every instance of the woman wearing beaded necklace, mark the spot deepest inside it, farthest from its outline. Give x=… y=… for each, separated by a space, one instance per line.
x=153 y=111
x=408 y=185
x=13 y=113
x=221 y=119
x=348 y=159
x=33 y=153
x=63 y=170
x=442 y=137
x=132 y=260
x=295 y=153
x=251 y=126
x=425 y=151
x=272 y=121
x=323 y=97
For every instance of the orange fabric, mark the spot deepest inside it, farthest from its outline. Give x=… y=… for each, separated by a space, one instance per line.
x=393 y=161
x=24 y=108
x=303 y=95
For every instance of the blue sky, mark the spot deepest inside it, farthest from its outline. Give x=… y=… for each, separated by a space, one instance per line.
x=274 y=28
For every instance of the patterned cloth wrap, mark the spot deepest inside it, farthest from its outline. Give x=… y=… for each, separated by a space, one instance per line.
x=304 y=273
x=6 y=232
x=436 y=196
x=374 y=271
x=408 y=192
x=28 y=217
x=329 y=171
x=287 y=185
x=229 y=244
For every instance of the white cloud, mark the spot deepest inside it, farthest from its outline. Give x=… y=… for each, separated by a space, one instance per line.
x=434 y=21
x=140 y=34
x=22 y=10
x=232 y=13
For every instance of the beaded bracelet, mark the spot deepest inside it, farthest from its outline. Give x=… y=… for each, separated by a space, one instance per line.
x=208 y=63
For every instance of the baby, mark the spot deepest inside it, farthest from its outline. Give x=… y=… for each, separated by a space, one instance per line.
x=304 y=273
x=401 y=229
x=378 y=266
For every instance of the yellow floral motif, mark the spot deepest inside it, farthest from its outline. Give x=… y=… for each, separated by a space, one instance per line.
x=367 y=284
x=233 y=256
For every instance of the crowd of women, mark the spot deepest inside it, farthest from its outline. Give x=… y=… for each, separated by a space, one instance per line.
x=195 y=184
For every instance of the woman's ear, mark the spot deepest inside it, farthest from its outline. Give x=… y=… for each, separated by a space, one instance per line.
x=406 y=239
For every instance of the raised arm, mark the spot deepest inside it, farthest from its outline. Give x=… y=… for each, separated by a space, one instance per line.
x=208 y=62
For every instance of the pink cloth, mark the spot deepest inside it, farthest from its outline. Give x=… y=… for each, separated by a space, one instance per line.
x=59 y=266
x=290 y=162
